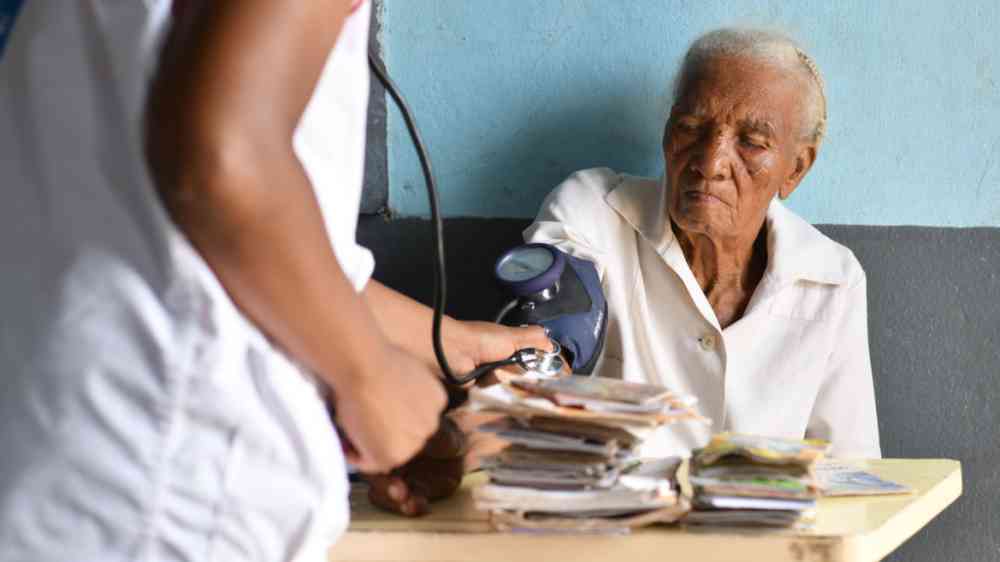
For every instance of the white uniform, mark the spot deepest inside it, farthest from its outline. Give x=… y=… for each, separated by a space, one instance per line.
x=796 y=364
x=142 y=417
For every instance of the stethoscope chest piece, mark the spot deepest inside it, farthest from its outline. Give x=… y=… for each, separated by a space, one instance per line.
x=541 y=363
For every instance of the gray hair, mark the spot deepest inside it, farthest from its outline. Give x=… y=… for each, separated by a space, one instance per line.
x=771 y=48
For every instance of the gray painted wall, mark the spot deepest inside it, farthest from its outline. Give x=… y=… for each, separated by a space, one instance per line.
x=934 y=316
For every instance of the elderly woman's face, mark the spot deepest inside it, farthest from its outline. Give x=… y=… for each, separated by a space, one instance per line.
x=732 y=142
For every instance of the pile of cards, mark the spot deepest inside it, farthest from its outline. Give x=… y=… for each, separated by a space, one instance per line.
x=748 y=480
x=571 y=462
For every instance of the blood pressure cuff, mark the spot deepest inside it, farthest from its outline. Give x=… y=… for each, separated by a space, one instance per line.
x=576 y=317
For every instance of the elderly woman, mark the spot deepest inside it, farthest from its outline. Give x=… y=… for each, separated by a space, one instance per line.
x=714 y=287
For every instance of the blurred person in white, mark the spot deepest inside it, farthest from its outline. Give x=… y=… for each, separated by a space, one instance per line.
x=182 y=289
x=714 y=287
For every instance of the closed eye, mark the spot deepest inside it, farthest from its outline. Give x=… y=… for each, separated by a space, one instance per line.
x=751 y=141
x=687 y=125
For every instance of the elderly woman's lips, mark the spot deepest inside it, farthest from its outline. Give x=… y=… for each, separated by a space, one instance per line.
x=702 y=196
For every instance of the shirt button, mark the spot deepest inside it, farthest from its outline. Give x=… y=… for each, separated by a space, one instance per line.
x=707 y=342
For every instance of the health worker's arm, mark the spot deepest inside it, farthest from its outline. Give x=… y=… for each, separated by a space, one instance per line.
x=437 y=471
x=234 y=79
x=408 y=323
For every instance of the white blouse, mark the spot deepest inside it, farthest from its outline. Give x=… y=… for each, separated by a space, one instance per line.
x=796 y=364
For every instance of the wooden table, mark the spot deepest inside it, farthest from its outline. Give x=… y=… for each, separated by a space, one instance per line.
x=846 y=529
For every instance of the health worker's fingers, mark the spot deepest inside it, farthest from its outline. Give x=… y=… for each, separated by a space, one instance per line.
x=532 y=337
x=392 y=493
x=433 y=479
x=449 y=442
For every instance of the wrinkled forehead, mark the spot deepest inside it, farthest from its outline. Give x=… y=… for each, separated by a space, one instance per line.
x=741 y=89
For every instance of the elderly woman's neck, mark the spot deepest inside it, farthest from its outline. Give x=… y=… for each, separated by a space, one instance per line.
x=725 y=265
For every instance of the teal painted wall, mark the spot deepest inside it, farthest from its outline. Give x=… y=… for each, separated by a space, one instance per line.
x=513 y=95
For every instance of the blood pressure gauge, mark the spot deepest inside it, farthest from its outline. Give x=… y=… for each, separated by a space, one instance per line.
x=531 y=271
x=559 y=292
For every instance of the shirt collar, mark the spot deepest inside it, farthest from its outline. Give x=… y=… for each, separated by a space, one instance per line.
x=796 y=249
x=642 y=203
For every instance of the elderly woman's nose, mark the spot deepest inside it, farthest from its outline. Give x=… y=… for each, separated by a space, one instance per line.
x=712 y=158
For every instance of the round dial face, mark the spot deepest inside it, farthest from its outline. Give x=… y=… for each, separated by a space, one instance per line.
x=525 y=263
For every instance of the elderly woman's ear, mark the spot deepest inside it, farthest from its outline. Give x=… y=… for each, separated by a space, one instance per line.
x=803 y=162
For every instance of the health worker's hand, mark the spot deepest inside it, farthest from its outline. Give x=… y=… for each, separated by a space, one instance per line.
x=388 y=412
x=470 y=344
x=407 y=324
x=437 y=471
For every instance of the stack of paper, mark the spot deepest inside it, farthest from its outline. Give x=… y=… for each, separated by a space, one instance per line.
x=571 y=461
x=758 y=481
